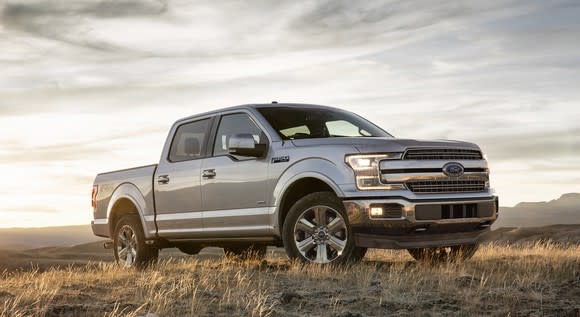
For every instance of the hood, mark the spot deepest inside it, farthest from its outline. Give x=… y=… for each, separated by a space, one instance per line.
x=377 y=145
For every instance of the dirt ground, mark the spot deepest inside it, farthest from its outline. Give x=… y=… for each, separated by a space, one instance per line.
x=535 y=280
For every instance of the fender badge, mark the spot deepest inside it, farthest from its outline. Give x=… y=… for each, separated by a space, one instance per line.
x=281 y=159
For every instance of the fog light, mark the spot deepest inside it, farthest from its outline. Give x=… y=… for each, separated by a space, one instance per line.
x=386 y=211
x=376 y=211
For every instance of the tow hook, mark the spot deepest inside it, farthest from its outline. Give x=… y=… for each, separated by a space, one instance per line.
x=484 y=225
x=108 y=245
x=421 y=229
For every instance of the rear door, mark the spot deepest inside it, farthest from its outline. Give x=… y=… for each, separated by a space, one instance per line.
x=177 y=180
x=235 y=199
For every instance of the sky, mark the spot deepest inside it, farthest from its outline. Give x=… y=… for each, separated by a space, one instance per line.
x=88 y=86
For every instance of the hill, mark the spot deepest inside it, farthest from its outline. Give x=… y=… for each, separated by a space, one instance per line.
x=564 y=210
x=33 y=238
x=559 y=234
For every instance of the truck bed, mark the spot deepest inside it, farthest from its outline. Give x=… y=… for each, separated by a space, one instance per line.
x=137 y=185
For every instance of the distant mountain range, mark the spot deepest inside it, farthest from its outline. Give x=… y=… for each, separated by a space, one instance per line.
x=564 y=210
x=31 y=238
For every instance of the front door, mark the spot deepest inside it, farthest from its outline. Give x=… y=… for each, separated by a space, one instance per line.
x=177 y=182
x=234 y=187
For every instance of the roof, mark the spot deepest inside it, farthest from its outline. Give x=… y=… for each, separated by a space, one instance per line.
x=255 y=106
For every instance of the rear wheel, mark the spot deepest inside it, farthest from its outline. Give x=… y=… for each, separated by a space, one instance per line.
x=129 y=244
x=316 y=230
x=246 y=252
x=454 y=253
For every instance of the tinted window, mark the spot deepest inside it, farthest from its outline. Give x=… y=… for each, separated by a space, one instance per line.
x=189 y=141
x=239 y=123
x=308 y=123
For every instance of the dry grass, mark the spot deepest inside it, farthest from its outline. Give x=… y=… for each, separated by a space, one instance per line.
x=538 y=280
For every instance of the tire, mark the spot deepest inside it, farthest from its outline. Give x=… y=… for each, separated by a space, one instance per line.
x=190 y=249
x=246 y=252
x=449 y=254
x=316 y=230
x=129 y=244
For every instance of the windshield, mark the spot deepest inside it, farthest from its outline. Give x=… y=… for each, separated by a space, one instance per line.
x=309 y=123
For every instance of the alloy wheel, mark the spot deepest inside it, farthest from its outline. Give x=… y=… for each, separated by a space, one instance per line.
x=320 y=234
x=127 y=246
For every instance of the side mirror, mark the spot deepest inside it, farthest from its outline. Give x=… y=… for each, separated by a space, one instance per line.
x=245 y=145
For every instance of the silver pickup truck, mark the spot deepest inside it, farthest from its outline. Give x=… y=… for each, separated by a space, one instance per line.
x=322 y=182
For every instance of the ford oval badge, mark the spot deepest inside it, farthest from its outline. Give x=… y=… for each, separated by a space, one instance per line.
x=453 y=169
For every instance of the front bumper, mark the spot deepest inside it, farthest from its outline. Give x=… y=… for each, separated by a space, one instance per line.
x=422 y=223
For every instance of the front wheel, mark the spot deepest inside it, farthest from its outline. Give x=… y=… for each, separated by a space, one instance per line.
x=129 y=244
x=316 y=230
x=453 y=254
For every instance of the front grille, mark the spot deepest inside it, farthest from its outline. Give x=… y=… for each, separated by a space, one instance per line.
x=442 y=154
x=459 y=186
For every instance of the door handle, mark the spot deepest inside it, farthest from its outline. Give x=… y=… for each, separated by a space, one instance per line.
x=163 y=179
x=209 y=173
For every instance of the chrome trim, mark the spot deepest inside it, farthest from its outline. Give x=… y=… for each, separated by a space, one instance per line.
x=447 y=186
x=213 y=213
x=410 y=165
x=229 y=213
x=176 y=216
x=387 y=219
x=101 y=221
x=237 y=212
x=475 y=154
x=219 y=229
x=403 y=178
x=402 y=164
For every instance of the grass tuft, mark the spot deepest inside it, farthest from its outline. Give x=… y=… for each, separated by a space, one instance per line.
x=538 y=279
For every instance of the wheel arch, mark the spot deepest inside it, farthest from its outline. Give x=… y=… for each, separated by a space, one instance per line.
x=126 y=199
x=300 y=186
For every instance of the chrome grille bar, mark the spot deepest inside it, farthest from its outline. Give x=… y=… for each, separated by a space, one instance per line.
x=449 y=186
x=442 y=154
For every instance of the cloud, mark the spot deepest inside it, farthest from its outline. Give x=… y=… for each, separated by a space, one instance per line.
x=63 y=20
x=333 y=17
x=72 y=151
x=32 y=209
x=533 y=145
x=92 y=85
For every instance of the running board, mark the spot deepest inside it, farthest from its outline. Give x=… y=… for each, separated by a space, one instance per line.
x=109 y=244
x=238 y=239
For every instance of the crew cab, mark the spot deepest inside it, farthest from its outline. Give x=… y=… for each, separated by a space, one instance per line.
x=324 y=183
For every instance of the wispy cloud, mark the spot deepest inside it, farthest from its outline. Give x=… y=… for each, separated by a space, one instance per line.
x=91 y=85
x=65 y=20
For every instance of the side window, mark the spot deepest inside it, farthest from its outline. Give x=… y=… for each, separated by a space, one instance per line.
x=189 y=141
x=239 y=123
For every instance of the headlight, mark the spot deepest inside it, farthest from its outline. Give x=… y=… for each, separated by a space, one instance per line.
x=367 y=171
